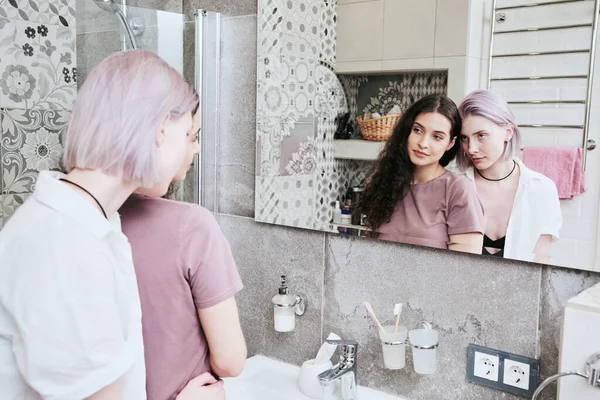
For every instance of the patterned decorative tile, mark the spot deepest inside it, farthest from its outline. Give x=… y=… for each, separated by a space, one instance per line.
x=52 y=12
x=10 y=203
x=286 y=200
x=381 y=93
x=330 y=102
x=327 y=34
x=300 y=18
x=270 y=132
x=299 y=156
x=37 y=65
x=30 y=142
x=286 y=85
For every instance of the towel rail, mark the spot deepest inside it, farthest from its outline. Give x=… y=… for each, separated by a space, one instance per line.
x=551 y=126
x=588 y=105
x=532 y=78
x=545 y=28
x=500 y=17
x=547 y=102
x=540 y=4
x=541 y=53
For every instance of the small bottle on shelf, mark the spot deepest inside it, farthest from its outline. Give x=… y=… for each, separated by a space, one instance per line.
x=346 y=216
x=337 y=213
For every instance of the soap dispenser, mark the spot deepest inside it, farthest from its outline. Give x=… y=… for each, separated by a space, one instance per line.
x=286 y=307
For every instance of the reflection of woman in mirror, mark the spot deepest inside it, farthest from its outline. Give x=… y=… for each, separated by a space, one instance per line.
x=410 y=197
x=522 y=210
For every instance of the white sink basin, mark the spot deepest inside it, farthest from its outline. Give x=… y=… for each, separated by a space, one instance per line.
x=267 y=379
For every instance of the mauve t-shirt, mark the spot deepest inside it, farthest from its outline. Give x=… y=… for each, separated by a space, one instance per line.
x=183 y=263
x=434 y=210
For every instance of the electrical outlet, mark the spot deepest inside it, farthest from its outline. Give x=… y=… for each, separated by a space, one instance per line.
x=486 y=366
x=516 y=374
x=504 y=371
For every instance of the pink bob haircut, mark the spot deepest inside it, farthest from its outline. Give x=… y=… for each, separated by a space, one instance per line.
x=493 y=107
x=118 y=113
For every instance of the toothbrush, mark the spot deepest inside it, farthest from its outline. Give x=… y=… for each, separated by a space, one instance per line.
x=370 y=310
x=397 y=312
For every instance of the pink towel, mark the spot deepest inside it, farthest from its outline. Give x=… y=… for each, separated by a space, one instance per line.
x=561 y=164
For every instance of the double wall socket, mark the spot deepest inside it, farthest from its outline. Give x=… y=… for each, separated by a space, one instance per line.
x=504 y=371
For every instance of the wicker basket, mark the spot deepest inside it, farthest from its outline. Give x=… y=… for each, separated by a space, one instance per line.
x=378 y=129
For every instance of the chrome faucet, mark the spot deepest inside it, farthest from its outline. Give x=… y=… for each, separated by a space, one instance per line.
x=344 y=370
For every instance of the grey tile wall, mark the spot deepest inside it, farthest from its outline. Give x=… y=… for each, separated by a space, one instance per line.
x=226 y=7
x=162 y=5
x=238 y=115
x=102 y=43
x=458 y=294
x=263 y=253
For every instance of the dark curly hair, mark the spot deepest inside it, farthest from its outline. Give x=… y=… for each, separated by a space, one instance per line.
x=390 y=178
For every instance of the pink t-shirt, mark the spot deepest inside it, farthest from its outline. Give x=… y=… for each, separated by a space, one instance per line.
x=434 y=210
x=183 y=263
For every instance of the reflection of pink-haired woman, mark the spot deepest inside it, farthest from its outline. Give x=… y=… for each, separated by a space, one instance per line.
x=522 y=210
x=70 y=317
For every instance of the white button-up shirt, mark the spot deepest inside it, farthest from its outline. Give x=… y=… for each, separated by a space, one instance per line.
x=70 y=315
x=535 y=212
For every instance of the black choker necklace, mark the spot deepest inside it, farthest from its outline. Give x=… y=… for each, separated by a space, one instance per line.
x=501 y=179
x=91 y=195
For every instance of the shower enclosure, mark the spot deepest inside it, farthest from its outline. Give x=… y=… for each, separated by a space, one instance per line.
x=189 y=43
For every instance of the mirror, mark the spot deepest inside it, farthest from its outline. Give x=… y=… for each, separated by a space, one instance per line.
x=336 y=81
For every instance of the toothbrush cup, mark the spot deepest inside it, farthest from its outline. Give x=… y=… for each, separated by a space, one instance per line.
x=424 y=343
x=393 y=346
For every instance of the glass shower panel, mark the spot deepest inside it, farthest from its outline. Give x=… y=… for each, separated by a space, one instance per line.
x=189 y=43
x=104 y=28
x=206 y=77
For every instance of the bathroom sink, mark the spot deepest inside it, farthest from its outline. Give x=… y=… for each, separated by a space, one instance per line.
x=267 y=379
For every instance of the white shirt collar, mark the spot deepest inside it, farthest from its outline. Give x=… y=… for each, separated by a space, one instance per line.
x=66 y=201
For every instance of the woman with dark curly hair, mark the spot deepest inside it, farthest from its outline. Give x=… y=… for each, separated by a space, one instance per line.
x=410 y=197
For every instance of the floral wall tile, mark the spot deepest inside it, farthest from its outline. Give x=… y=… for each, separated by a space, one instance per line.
x=52 y=12
x=379 y=93
x=37 y=65
x=31 y=141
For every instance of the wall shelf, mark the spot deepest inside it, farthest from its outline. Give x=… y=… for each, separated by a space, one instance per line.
x=357 y=149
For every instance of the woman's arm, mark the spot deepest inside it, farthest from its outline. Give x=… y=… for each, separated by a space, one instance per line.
x=202 y=387
x=226 y=343
x=466 y=242
x=542 y=249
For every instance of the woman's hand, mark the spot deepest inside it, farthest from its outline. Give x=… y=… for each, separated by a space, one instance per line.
x=203 y=387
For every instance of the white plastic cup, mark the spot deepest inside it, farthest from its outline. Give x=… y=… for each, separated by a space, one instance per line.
x=392 y=345
x=424 y=344
x=309 y=383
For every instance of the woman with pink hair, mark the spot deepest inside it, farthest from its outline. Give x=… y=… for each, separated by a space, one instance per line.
x=522 y=210
x=70 y=316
